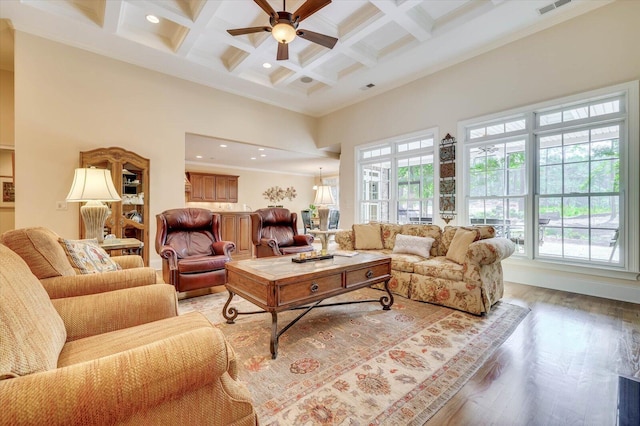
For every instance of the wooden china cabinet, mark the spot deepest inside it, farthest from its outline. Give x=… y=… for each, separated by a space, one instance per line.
x=130 y=173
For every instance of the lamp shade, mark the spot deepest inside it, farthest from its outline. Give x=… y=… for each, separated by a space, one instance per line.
x=324 y=196
x=283 y=32
x=92 y=185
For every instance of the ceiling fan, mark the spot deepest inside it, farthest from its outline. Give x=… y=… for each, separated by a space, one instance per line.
x=284 y=26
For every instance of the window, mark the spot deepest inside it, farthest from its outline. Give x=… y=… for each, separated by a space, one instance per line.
x=396 y=180
x=553 y=178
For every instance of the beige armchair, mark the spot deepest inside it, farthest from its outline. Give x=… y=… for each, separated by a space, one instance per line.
x=40 y=249
x=119 y=357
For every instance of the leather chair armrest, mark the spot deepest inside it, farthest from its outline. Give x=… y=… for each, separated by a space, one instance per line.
x=168 y=253
x=80 y=285
x=303 y=240
x=94 y=314
x=223 y=248
x=129 y=261
x=102 y=392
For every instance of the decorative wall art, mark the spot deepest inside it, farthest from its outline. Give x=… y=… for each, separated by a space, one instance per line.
x=276 y=194
x=8 y=192
x=448 y=178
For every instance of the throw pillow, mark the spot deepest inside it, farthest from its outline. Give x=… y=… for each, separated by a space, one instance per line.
x=367 y=236
x=460 y=243
x=413 y=245
x=87 y=257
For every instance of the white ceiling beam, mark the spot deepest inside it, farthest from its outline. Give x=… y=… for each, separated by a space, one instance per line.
x=112 y=15
x=206 y=15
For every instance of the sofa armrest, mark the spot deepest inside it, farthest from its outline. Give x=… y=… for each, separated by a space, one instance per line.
x=80 y=285
x=303 y=240
x=129 y=261
x=490 y=250
x=223 y=248
x=344 y=239
x=109 y=391
x=94 y=314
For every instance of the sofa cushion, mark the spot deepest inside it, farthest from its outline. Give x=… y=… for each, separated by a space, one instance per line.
x=389 y=232
x=413 y=245
x=367 y=236
x=31 y=331
x=440 y=267
x=39 y=247
x=460 y=244
x=484 y=231
x=404 y=262
x=432 y=231
x=87 y=257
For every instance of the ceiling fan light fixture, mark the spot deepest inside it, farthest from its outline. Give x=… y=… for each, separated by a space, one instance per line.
x=283 y=32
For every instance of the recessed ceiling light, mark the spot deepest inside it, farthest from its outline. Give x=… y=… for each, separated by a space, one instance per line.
x=263 y=155
x=223 y=145
x=153 y=19
x=253 y=158
x=266 y=65
x=306 y=79
x=198 y=156
x=260 y=149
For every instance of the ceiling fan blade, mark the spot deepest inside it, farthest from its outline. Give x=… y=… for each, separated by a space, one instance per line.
x=283 y=52
x=321 y=39
x=241 y=31
x=264 y=4
x=309 y=8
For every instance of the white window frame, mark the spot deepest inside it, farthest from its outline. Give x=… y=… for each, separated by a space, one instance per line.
x=392 y=157
x=629 y=238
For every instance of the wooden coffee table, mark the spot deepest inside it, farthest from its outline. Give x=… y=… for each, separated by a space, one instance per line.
x=278 y=284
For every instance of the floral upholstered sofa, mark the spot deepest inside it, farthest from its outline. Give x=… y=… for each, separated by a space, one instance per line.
x=458 y=267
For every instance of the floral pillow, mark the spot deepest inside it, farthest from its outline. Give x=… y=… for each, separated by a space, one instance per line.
x=87 y=257
x=413 y=245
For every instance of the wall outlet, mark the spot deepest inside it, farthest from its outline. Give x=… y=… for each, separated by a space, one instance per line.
x=61 y=205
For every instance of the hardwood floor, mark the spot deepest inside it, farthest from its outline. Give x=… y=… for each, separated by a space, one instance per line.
x=559 y=367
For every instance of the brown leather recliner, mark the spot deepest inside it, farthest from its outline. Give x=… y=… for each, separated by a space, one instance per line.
x=193 y=255
x=274 y=232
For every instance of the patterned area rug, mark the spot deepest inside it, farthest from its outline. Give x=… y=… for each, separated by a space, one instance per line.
x=357 y=364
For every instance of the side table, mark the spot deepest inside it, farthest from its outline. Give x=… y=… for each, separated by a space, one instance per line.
x=131 y=245
x=323 y=236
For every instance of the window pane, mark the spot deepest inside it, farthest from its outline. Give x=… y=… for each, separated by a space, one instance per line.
x=605 y=176
x=575 y=114
x=477 y=133
x=576 y=178
x=550 y=180
x=495 y=130
x=550 y=118
x=603 y=108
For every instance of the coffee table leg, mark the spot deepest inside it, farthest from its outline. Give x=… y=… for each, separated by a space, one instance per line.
x=229 y=313
x=385 y=301
x=274 y=335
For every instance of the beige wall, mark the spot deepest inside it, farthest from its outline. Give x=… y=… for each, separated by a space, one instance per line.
x=6 y=108
x=594 y=50
x=69 y=100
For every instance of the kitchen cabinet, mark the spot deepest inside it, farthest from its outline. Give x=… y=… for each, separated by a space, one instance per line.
x=236 y=227
x=129 y=218
x=213 y=188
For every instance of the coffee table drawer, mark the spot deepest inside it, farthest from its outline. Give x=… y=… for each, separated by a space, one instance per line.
x=310 y=288
x=366 y=274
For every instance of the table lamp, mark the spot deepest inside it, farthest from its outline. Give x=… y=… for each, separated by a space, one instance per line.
x=93 y=186
x=324 y=197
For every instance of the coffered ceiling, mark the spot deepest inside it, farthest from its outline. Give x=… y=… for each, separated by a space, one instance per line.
x=382 y=43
